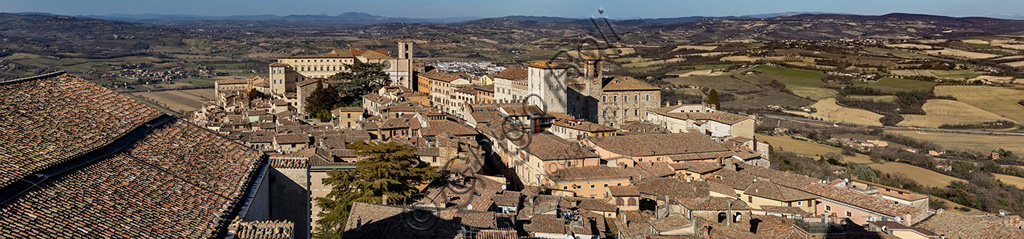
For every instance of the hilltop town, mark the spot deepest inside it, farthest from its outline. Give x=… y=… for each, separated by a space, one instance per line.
x=795 y=131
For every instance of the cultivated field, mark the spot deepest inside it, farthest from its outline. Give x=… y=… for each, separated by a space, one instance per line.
x=830 y=111
x=1015 y=64
x=998 y=100
x=1011 y=180
x=692 y=47
x=948 y=74
x=910 y=46
x=961 y=54
x=923 y=176
x=889 y=84
x=174 y=100
x=751 y=59
x=814 y=93
x=939 y=112
x=806 y=148
x=973 y=142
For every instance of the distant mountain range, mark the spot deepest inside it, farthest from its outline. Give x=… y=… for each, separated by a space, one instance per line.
x=360 y=18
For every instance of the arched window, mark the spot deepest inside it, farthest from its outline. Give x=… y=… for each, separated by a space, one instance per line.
x=722 y=216
x=618 y=201
x=632 y=201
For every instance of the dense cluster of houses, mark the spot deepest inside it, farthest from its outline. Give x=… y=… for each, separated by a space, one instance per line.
x=587 y=157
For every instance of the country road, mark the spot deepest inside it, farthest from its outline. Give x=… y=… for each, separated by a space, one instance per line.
x=920 y=129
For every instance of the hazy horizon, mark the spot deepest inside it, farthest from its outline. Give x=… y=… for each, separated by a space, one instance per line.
x=547 y=8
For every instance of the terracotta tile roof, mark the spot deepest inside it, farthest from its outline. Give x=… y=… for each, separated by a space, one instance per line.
x=485 y=116
x=717 y=187
x=673 y=188
x=258 y=136
x=582 y=125
x=497 y=234
x=642 y=127
x=232 y=82
x=652 y=170
x=658 y=144
x=550 y=224
x=293 y=138
x=519 y=110
x=719 y=116
x=891 y=225
x=784 y=209
x=714 y=204
x=372 y=54
x=701 y=167
x=625 y=83
x=485 y=88
x=480 y=197
x=622 y=191
x=442 y=76
x=469 y=90
x=590 y=173
x=875 y=204
x=550 y=147
x=767 y=189
x=670 y=223
x=594 y=204
x=508 y=199
x=956 y=225
x=736 y=180
x=475 y=219
x=279 y=64
x=512 y=73
x=374 y=97
x=400 y=123
x=445 y=127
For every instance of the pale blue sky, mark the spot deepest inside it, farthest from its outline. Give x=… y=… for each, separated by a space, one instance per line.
x=491 y=8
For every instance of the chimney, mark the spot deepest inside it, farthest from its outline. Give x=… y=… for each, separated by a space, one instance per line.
x=679 y=102
x=755 y=144
x=384 y=199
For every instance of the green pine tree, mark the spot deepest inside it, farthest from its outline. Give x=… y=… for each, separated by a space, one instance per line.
x=713 y=99
x=389 y=169
x=321 y=99
x=363 y=78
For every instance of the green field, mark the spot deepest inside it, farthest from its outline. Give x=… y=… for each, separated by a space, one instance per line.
x=889 y=84
x=789 y=76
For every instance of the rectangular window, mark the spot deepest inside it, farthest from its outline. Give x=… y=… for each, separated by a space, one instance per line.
x=849 y=214
x=750 y=199
x=615 y=98
x=592 y=186
x=636 y=97
x=648 y=97
x=606 y=185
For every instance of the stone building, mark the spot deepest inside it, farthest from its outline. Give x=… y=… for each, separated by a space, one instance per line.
x=610 y=101
x=287 y=71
